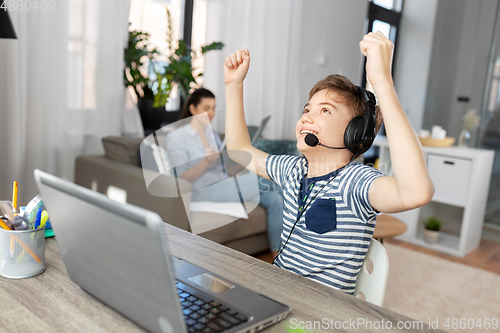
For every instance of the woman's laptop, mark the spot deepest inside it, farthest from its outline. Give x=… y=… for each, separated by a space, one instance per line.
x=118 y=253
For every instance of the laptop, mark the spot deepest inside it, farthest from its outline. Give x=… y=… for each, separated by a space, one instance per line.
x=253 y=131
x=119 y=254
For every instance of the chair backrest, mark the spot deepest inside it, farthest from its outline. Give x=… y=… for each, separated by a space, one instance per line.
x=373 y=284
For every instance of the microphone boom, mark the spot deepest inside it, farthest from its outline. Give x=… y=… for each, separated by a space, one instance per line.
x=312 y=141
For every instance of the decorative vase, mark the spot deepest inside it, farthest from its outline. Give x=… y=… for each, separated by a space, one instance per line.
x=464 y=139
x=431 y=236
x=151 y=117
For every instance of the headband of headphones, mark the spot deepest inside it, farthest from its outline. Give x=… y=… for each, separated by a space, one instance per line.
x=370 y=100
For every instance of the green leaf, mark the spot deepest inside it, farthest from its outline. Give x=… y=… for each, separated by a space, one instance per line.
x=433 y=223
x=213 y=46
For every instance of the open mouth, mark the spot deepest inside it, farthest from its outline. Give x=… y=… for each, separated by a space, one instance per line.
x=307 y=131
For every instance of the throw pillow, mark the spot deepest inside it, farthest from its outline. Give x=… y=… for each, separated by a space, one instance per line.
x=122 y=149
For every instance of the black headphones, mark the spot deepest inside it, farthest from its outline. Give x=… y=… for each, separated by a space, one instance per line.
x=360 y=132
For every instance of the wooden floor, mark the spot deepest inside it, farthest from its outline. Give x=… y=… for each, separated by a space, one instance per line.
x=486 y=256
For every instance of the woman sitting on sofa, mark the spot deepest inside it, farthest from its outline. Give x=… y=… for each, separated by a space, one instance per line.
x=194 y=149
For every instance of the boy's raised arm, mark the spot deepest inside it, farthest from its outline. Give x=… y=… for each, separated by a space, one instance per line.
x=411 y=186
x=237 y=138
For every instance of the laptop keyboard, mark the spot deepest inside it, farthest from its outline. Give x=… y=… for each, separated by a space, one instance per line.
x=204 y=314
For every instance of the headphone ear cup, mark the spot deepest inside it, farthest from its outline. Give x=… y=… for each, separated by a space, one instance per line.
x=353 y=134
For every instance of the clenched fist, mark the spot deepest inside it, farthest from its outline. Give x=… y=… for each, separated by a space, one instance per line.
x=236 y=66
x=378 y=51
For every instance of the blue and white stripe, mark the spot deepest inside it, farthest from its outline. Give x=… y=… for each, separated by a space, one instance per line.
x=333 y=258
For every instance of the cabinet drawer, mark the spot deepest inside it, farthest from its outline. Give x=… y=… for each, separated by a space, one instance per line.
x=451 y=177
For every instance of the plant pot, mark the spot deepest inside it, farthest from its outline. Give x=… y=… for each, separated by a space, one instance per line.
x=151 y=117
x=172 y=116
x=431 y=236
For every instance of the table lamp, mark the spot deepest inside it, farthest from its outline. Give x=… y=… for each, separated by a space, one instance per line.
x=6 y=28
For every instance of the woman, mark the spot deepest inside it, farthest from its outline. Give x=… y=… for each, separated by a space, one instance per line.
x=194 y=149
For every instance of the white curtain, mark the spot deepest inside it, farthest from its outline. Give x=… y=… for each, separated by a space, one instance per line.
x=272 y=86
x=61 y=88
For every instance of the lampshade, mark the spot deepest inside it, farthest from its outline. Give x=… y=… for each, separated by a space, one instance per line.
x=6 y=28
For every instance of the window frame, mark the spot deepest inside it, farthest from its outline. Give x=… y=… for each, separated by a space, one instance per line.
x=392 y=17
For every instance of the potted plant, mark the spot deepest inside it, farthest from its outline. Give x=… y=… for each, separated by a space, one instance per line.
x=431 y=230
x=153 y=80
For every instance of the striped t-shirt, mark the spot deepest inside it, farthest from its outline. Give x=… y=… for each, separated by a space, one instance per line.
x=330 y=241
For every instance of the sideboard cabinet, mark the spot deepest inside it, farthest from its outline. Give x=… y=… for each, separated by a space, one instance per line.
x=461 y=178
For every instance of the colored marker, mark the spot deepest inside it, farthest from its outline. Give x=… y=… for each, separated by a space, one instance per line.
x=14 y=195
x=45 y=217
x=38 y=218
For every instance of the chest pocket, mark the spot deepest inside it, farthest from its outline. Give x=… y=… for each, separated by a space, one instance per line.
x=321 y=217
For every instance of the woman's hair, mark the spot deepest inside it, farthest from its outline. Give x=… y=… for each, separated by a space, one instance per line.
x=349 y=94
x=195 y=99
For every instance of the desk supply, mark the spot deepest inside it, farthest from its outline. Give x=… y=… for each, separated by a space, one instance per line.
x=14 y=195
x=14 y=245
x=38 y=218
x=7 y=210
x=18 y=223
x=14 y=221
x=4 y=225
x=32 y=209
x=44 y=218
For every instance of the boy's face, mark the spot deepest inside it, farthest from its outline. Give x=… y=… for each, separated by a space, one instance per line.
x=326 y=116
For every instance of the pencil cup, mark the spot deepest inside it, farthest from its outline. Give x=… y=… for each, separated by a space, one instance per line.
x=22 y=253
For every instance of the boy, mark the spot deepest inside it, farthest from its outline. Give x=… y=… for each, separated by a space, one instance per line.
x=330 y=203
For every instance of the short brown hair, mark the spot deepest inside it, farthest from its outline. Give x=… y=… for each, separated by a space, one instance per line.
x=349 y=94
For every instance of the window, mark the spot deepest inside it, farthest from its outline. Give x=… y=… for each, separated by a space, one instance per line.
x=389 y=4
x=82 y=55
x=188 y=21
x=384 y=15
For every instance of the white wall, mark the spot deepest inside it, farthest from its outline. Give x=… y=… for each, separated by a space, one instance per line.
x=411 y=71
x=331 y=32
x=459 y=61
x=293 y=45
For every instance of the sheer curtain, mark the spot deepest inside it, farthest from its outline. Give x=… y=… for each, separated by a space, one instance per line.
x=272 y=84
x=61 y=89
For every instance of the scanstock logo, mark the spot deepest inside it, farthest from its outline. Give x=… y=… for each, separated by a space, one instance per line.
x=221 y=193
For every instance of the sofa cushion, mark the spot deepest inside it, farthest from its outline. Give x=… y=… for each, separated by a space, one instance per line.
x=122 y=149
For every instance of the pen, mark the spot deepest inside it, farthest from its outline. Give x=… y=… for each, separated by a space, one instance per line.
x=38 y=217
x=14 y=195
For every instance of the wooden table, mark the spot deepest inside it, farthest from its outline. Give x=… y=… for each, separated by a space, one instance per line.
x=388 y=226
x=50 y=302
